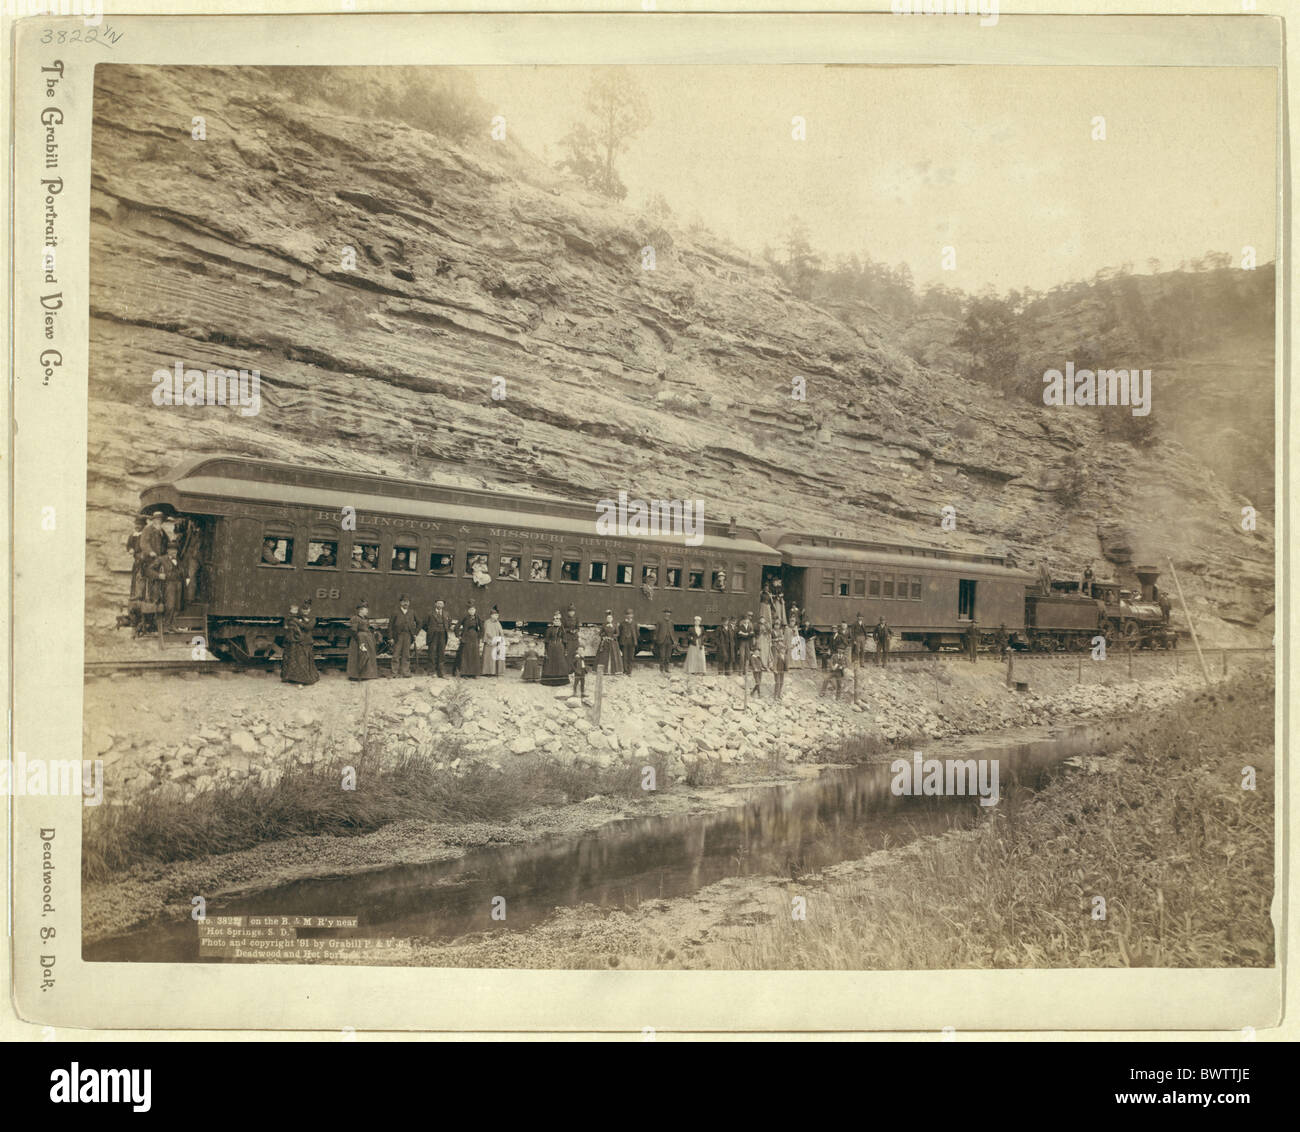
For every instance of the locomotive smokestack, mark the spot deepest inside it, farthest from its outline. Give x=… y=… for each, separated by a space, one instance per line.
x=1147 y=576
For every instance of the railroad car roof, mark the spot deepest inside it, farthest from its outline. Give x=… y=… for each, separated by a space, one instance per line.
x=264 y=481
x=831 y=551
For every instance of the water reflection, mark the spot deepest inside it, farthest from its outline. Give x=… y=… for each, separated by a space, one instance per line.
x=783 y=831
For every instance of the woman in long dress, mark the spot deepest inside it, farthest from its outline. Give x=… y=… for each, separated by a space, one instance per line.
x=363 y=658
x=607 y=652
x=796 y=652
x=299 y=666
x=470 y=632
x=695 y=663
x=555 y=669
x=494 y=653
x=765 y=630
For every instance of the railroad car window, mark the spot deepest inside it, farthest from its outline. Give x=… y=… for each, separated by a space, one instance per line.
x=597 y=571
x=738 y=578
x=441 y=562
x=718 y=580
x=673 y=577
x=887 y=587
x=695 y=579
x=916 y=587
x=650 y=574
x=405 y=558
x=843 y=588
x=859 y=586
x=828 y=583
x=873 y=586
x=626 y=574
x=322 y=554
x=508 y=567
x=365 y=556
x=569 y=568
x=276 y=551
x=540 y=570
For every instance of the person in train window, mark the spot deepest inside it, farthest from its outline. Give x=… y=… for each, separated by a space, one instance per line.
x=469 y=654
x=607 y=652
x=269 y=557
x=628 y=638
x=509 y=569
x=363 y=649
x=298 y=665
x=494 y=645
x=568 y=571
x=327 y=555
x=555 y=668
x=540 y=571
x=440 y=564
x=695 y=663
x=720 y=581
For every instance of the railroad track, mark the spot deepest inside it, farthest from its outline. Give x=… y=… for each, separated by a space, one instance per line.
x=164 y=665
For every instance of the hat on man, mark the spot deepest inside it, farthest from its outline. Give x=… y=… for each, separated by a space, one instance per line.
x=627 y=613
x=158 y=515
x=402 y=599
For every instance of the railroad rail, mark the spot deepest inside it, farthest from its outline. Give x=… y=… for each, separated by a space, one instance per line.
x=164 y=665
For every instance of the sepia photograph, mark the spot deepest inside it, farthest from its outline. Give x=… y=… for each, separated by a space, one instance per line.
x=695 y=517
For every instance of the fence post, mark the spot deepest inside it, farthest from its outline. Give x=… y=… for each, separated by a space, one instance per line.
x=600 y=691
x=1011 y=669
x=1130 y=664
x=1225 y=661
x=1205 y=671
x=1079 y=677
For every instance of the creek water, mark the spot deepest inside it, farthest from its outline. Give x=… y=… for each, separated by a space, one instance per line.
x=784 y=831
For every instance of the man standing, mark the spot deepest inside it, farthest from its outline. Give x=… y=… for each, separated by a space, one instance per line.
x=436 y=629
x=882 y=636
x=664 y=640
x=780 y=657
x=1086 y=587
x=402 y=627
x=153 y=539
x=569 y=622
x=725 y=644
x=628 y=638
x=859 y=633
x=744 y=641
x=1001 y=640
x=973 y=640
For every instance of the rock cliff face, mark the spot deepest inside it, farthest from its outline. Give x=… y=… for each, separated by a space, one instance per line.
x=474 y=262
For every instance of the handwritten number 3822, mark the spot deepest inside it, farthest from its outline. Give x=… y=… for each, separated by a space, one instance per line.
x=49 y=35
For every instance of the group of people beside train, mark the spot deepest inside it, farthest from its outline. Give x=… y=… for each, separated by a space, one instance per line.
x=773 y=643
x=164 y=572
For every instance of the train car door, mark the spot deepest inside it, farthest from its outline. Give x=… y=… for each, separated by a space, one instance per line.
x=966 y=599
x=792 y=579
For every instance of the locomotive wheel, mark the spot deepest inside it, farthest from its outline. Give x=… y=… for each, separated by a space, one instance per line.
x=1130 y=634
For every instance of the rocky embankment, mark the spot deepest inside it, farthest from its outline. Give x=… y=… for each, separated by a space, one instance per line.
x=475 y=261
x=698 y=728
